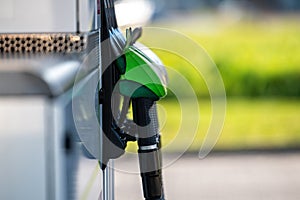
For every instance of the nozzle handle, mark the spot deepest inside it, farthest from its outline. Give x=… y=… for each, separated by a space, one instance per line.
x=145 y=117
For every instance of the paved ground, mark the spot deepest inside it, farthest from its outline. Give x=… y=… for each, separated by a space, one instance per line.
x=260 y=176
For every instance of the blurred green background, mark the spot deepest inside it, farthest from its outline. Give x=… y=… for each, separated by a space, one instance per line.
x=259 y=60
x=257 y=51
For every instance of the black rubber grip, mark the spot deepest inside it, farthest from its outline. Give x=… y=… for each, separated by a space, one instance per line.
x=145 y=117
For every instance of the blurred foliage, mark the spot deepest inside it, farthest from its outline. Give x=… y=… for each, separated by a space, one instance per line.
x=256 y=58
x=249 y=124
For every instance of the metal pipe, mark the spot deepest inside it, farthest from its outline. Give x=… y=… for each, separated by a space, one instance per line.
x=109 y=182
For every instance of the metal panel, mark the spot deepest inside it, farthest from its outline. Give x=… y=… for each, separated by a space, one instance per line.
x=42 y=75
x=22 y=148
x=38 y=16
x=88 y=179
x=87 y=15
x=48 y=74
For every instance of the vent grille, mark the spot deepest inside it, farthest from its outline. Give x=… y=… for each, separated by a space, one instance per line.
x=43 y=43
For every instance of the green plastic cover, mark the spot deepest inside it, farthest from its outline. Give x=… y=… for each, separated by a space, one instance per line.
x=143 y=77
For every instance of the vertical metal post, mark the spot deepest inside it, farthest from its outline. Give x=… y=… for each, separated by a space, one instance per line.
x=109 y=182
x=109 y=77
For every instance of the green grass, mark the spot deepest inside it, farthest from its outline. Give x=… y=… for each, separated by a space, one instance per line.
x=249 y=124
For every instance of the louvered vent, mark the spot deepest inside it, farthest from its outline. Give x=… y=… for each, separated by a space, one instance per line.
x=43 y=43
